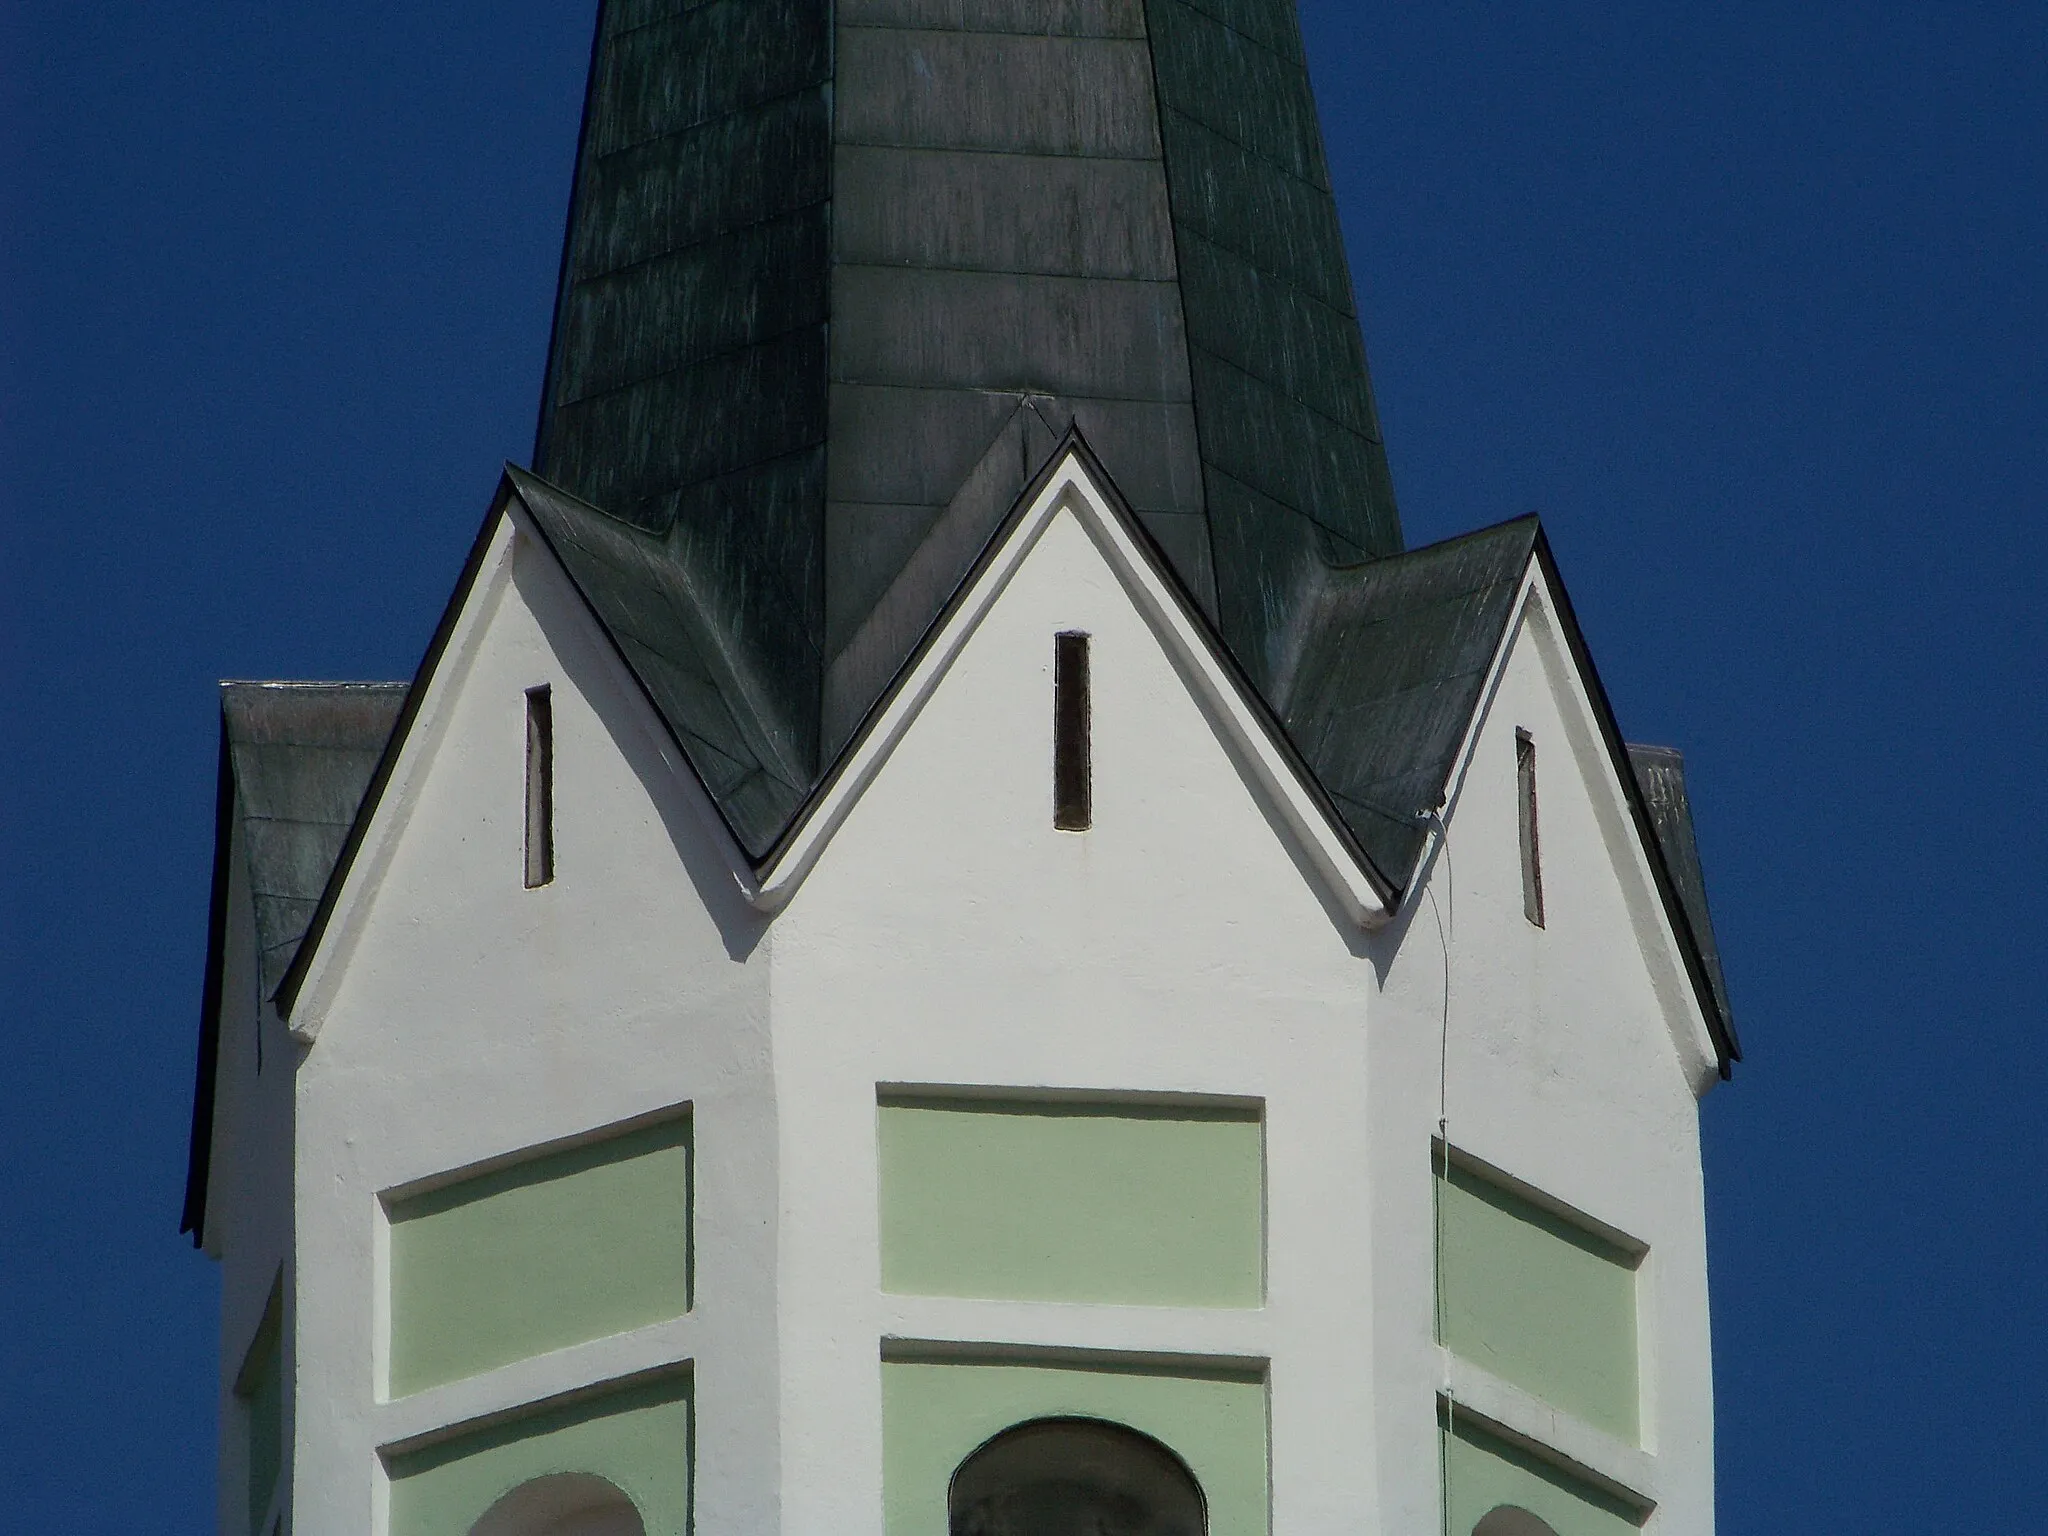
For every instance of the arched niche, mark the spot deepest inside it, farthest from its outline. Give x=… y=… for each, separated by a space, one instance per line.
x=565 y=1504
x=1075 y=1477
x=1510 y=1521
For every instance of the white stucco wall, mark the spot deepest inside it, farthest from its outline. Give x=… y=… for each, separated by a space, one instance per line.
x=471 y=1017
x=248 y=1225
x=950 y=935
x=946 y=934
x=1558 y=1065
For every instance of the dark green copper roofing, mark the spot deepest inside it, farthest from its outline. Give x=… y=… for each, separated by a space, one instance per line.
x=301 y=755
x=1381 y=673
x=838 y=279
x=295 y=761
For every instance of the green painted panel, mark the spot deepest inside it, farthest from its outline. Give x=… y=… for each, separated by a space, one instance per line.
x=1483 y=1474
x=575 y=1245
x=1061 y=1202
x=1539 y=1302
x=260 y=1387
x=638 y=1438
x=936 y=1414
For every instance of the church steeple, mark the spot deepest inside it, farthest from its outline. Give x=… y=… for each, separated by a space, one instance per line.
x=1050 y=1108
x=839 y=277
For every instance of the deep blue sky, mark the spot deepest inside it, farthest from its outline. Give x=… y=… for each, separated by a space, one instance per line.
x=1748 y=300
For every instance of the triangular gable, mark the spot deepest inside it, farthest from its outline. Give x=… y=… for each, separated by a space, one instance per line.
x=459 y=624
x=1657 y=834
x=1698 y=971
x=1075 y=482
x=1437 y=610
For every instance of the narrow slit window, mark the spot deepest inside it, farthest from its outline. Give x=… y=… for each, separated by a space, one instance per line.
x=540 y=787
x=1532 y=844
x=1072 y=797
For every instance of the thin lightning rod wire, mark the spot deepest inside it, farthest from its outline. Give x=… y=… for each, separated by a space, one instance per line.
x=1446 y=935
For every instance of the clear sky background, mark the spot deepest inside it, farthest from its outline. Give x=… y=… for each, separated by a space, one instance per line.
x=1750 y=301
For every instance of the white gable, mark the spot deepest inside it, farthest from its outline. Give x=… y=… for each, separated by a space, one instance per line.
x=1211 y=935
x=462 y=1017
x=1568 y=1056
x=1122 y=579
x=438 y=948
x=1187 y=944
x=636 y=842
x=952 y=841
x=1605 y=925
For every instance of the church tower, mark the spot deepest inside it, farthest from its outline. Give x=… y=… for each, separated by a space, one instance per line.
x=953 y=937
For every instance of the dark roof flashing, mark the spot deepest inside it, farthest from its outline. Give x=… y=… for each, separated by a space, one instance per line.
x=295 y=758
x=199 y=1149
x=1694 y=947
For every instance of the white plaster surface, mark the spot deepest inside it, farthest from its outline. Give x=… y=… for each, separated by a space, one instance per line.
x=466 y=1017
x=1571 y=1059
x=248 y=1223
x=938 y=930
x=950 y=935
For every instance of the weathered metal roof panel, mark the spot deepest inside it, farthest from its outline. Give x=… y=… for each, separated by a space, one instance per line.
x=839 y=277
x=702 y=62
x=693 y=306
x=692 y=616
x=1251 y=93
x=1044 y=18
x=1232 y=198
x=996 y=90
x=301 y=756
x=1385 y=674
x=984 y=211
x=1304 y=348
x=1296 y=474
x=1010 y=332
x=1270 y=26
x=668 y=193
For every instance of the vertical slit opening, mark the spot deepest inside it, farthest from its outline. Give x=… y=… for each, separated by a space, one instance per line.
x=1072 y=796
x=1532 y=844
x=540 y=787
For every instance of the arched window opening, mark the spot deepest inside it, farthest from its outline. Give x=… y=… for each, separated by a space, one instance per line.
x=1510 y=1521
x=566 y=1504
x=1075 y=1477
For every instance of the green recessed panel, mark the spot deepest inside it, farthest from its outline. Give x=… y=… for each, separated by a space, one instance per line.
x=1484 y=1474
x=936 y=1414
x=1062 y=1202
x=575 y=1245
x=637 y=1438
x=1539 y=1302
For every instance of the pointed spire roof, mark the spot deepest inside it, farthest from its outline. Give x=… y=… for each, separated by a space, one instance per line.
x=839 y=277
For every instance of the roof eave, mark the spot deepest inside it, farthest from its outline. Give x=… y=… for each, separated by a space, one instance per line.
x=199 y=1151
x=1727 y=1045
x=294 y=978
x=783 y=866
